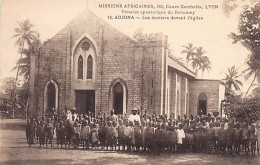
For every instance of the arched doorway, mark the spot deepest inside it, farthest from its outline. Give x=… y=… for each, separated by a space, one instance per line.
x=202 y=104
x=51 y=97
x=118 y=98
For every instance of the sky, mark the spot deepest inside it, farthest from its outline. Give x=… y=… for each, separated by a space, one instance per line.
x=50 y=16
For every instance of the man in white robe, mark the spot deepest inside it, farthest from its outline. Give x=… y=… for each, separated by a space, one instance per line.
x=134 y=117
x=180 y=137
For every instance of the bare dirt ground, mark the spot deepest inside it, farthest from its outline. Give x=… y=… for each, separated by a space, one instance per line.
x=14 y=150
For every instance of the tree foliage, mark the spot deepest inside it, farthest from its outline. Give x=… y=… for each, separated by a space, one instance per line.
x=25 y=37
x=248 y=28
x=12 y=98
x=28 y=43
x=243 y=109
x=231 y=81
x=189 y=50
x=249 y=35
x=195 y=55
x=229 y=6
x=200 y=61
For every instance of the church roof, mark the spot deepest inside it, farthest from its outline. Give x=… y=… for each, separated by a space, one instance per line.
x=85 y=22
x=175 y=64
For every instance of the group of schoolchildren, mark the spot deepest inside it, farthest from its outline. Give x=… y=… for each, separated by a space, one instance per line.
x=151 y=133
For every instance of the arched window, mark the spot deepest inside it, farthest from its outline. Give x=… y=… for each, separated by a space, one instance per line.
x=80 y=67
x=51 y=95
x=89 y=67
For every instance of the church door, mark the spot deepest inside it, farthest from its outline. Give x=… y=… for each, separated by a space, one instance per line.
x=202 y=104
x=118 y=98
x=85 y=101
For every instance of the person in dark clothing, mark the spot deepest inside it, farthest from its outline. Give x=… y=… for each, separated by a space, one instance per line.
x=31 y=133
x=49 y=132
x=41 y=133
x=68 y=133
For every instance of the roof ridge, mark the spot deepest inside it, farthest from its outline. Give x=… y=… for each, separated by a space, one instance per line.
x=172 y=58
x=88 y=12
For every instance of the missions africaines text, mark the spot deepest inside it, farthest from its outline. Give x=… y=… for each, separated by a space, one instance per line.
x=145 y=6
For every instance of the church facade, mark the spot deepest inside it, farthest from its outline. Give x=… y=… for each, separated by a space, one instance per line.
x=92 y=66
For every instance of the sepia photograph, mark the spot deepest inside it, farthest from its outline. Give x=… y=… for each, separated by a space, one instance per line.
x=130 y=82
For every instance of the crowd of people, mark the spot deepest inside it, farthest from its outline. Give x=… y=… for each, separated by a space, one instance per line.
x=143 y=132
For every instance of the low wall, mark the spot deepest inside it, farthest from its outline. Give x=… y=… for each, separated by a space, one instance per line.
x=12 y=124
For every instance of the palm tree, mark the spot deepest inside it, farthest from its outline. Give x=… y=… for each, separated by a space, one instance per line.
x=256 y=90
x=198 y=59
x=206 y=65
x=24 y=35
x=189 y=51
x=231 y=79
x=251 y=72
x=24 y=63
x=253 y=69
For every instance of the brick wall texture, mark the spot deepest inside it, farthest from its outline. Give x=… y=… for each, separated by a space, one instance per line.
x=211 y=89
x=138 y=65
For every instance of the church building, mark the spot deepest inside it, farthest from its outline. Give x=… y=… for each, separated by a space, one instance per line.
x=92 y=66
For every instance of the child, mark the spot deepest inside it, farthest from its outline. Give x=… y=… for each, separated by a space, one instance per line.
x=216 y=129
x=138 y=136
x=149 y=137
x=245 y=138
x=127 y=136
x=143 y=134
x=62 y=133
x=230 y=133
x=120 y=134
x=68 y=133
x=31 y=132
x=58 y=134
x=108 y=134
x=84 y=136
x=196 y=138
x=190 y=139
x=41 y=133
x=94 y=136
x=37 y=133
x=211 y=137
x=114 y=135
x=237 y=139
x=101 y=133
x=253 y=140
x=76 y=134
x=180 y=137
x=158 y=136
x=163 y=140
x=221 y=139
x=131 y=124
x=49 y=132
